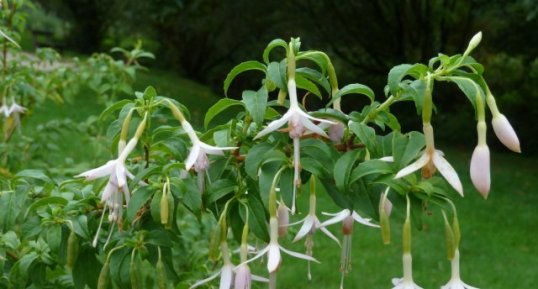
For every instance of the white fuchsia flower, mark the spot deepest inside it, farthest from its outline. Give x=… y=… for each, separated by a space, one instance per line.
x=199 y=151
x=15 y=108
x=505 y=132
x=347 y=217
x=430 y=160
x=407 y=281
x=455 y=281
x=4 y=109
x=340 y=216
x=273 y=250
x=243 y=277
x=116 y=190
x=298 y=121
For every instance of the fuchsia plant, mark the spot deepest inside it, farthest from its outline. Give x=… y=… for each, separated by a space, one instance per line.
x=243 y=166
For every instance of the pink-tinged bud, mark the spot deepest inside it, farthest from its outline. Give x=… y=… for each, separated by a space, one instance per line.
x=283 y=219
x=480 y=169
x=336 y=132
x=505 y=133
x=243 y=279
x=347 y=225
x=388 y=206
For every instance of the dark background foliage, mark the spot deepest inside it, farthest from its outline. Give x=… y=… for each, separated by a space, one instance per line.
x=204 y=39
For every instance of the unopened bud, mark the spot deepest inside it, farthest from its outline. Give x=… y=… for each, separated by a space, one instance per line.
x=283 y=219
x=505 y=133
x=406 y=236
x=242 y=277
x=385 y=209
x=164 y=209
x=480 y=171
x=347 y=225
x=474 y=42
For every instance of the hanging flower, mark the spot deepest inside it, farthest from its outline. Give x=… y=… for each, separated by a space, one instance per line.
x=430 y=160
x=455 y=281
x=298 y=121
x=273 y=250
x=199 y=151
x=116 y=190
x=347 y=217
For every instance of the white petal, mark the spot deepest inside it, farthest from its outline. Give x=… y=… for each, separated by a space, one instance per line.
x=203 y=281
x=396 y=281
x=213 y=150
x=330 y=235
x=448 y=172
x=274 y=125
x=226 y=277
x=305 y=229
x=187 y=127
x=273 y=258
x=388 y=159
x=337 y=218
x=121 y=175
x=422 y=161
x=128 y=149
x=311 y=126
x=362 y=220
x=298 y=255
x=259 y=278
x=108 y=191
x=193 y=156
x=259 y=255
x=321 y=120
x=101 y=171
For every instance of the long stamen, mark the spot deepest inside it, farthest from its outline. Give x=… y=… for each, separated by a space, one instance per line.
x=94 y=242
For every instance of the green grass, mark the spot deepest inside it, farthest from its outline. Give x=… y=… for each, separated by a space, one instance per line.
x=499 y=235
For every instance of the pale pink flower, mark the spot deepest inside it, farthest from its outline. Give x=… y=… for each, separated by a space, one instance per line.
x=283 y=217
x=480 y=169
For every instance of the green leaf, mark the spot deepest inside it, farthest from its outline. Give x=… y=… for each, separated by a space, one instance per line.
x=9 y=38
x=256 y=102
x=218 y=108
x=276 y=72
x=342 y=169
x=397 y=73
x=354 y=88
x=33 y=174
x=315 y=76
x=219 y=189
x=308 y=85
x=365 y=134
x=368 y=168
x=150 y=93
x=139 y=198
x=258 y=217
x=260 y=154
x=52 y=200
x=406 y=148
x=469 y=88
x=109 y=110
x=240 y=68
x=273 y=44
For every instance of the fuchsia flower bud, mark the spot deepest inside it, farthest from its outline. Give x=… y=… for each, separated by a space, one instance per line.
x=480 y=172
x=505 y=133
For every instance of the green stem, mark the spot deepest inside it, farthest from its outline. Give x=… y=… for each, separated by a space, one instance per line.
x=380 y=108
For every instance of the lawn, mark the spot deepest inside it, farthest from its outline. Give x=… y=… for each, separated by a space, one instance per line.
x=499 y=235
